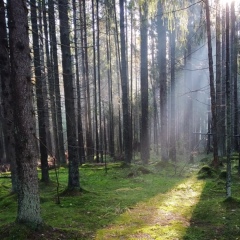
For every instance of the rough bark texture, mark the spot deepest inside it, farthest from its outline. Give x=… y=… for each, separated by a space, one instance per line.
x=73 y=176
x=7 y=98
x=26 y=154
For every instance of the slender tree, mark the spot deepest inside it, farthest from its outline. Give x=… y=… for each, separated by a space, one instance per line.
x=162 y=65
x=228 y=108
x=99 y=84
x=144 y=83
x=95 y=86
x=73 y=180
x=110 y=83
x=124 y=78
x=212 y=89
x=79 y=107
x=54 y=62
x=39 y=93
x=172 y=152
x=7 y=98
x=234 y=79
x=218 y=78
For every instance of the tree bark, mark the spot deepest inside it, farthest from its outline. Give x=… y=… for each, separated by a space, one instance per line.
x=172 y=152
x=161 y=31
x=228 y=109
x=73 y=175
x=144 y=83
x=26 y=153
x=124 y=78
x=7 y=97
x=39 y=93
x=212 y=90
x=54 y=54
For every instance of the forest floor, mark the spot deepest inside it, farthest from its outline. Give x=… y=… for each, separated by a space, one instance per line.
x=158 y=201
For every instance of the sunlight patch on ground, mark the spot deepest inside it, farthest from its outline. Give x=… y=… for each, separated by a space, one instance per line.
x=165 y=216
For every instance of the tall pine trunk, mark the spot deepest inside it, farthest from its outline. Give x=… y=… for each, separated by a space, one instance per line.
x=26 y=148
x=73 y=176
x=7 y=97
x=39 y=93
x=172 y=152
x=144 y=83
x=162 y=65
x=56 y=84
x=228 y=108
x=212 y=89
x=124 y=77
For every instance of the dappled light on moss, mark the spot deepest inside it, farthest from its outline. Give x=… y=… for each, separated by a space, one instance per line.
x=165 y=216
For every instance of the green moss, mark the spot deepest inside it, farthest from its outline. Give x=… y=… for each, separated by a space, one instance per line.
x=153 y=204
x=206 y=172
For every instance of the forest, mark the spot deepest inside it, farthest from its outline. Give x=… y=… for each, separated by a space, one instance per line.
x=116 y=114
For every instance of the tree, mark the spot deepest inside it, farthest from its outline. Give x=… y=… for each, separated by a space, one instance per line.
x=55 y=83
x=212 y=89
x=234 y=78
x=162 y=65
x=218 y=79
x=73 y=180
x=79 y=107
x=25 y=135
x=144 y=83
x=7 y=98
x=124 y=78
x=172 y=152
x=228 y=108
x=39 y=93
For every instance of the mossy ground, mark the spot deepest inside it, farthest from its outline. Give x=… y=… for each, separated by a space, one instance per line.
x=158 y=201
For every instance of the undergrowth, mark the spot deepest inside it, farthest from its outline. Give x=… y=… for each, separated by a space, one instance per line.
x=112 y=198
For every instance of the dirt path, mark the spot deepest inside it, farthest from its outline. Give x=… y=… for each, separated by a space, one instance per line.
x=165 y=216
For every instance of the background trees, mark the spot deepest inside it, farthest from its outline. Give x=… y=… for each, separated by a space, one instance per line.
x=115 y=78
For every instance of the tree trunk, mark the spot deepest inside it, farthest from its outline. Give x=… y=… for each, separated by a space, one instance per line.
x=161 y=31
x=144 y=84
x=173 y=118
x=234 y=71
x=223 y=85
x=95 y=87
x=73 y=177
x=39 y=93
x=99 y=86
x=228 y=108
x=7 y=97
x=212 y=90
x=50 y=84
x=220 y=135
x=87 y=105
x=56 y=84
x=110 y=88
x=79 y=107
x=26 y=153
x=124 y=78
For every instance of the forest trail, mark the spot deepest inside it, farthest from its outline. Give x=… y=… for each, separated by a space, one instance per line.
x=165 y=216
